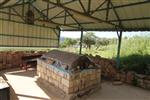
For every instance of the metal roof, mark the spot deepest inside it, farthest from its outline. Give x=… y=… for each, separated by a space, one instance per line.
x=103 y=15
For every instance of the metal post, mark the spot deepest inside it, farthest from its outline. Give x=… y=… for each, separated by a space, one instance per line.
x=119 y=47
x=81 y=39
x=59 y=38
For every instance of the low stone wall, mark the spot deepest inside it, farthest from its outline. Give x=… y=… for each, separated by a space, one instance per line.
x=135 y=79
x=70 y=83
x=11 y=59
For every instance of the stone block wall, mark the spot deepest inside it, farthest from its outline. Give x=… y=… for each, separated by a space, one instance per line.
x=10 y=59
x=69 y=83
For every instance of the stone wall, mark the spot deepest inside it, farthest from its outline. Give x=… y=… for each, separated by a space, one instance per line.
x=12 y=59
x=108 y=66
x=135 y=79
x=70 y=83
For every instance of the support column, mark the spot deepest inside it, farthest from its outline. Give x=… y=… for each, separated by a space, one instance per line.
x=119 y=47
x=58 y=33
x=81 y=40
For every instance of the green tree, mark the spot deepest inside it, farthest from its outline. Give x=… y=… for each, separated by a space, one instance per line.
x=101 y=42
x=89 y=39
x=68 y=42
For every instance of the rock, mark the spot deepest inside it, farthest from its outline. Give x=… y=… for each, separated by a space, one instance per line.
x=130 y=77
x=123 y=77
x=140 y=76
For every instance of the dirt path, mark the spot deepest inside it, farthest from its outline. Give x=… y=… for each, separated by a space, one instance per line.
x=122 y=92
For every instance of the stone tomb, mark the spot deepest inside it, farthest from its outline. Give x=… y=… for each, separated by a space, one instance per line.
x=71 y=73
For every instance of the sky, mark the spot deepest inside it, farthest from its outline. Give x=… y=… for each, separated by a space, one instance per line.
x=73 y=34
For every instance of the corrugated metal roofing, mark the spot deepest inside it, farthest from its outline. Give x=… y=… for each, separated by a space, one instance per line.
x=104 y=15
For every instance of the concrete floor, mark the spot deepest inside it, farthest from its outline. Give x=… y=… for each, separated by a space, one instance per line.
x=24 y=87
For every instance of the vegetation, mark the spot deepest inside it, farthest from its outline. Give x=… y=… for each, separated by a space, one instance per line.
x=135 y=51
x=89 y=39
x=68 y=42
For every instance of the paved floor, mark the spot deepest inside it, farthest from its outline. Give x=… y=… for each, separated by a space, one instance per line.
x=24 y=87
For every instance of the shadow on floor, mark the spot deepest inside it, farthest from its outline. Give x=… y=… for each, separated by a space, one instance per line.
x=50 y=90
x=32 y=97
x=13 y=95
x=18 y=72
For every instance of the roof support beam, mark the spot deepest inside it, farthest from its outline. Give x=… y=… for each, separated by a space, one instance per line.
x=75 y=20
x=15 y=5
x=4 y=2
x=84 y=10
x=132 y=19
x=9 y=10
x=18 y=14
x=122 y=20
x=23 y=8
x=89 y=7
x=61 y=16
x=47 y=12
x=107 y=11
x=62 y=4
x=92 y=12
x=120 y=23
x=45 y=17
x=65 y=18
x=57 y=15
x=124 y=5
x=82 y=14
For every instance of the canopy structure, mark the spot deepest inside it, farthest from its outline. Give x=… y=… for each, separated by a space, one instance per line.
x=103 y=15
x=84 y=15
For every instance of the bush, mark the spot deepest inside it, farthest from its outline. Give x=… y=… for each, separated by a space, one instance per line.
x=137 y=63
